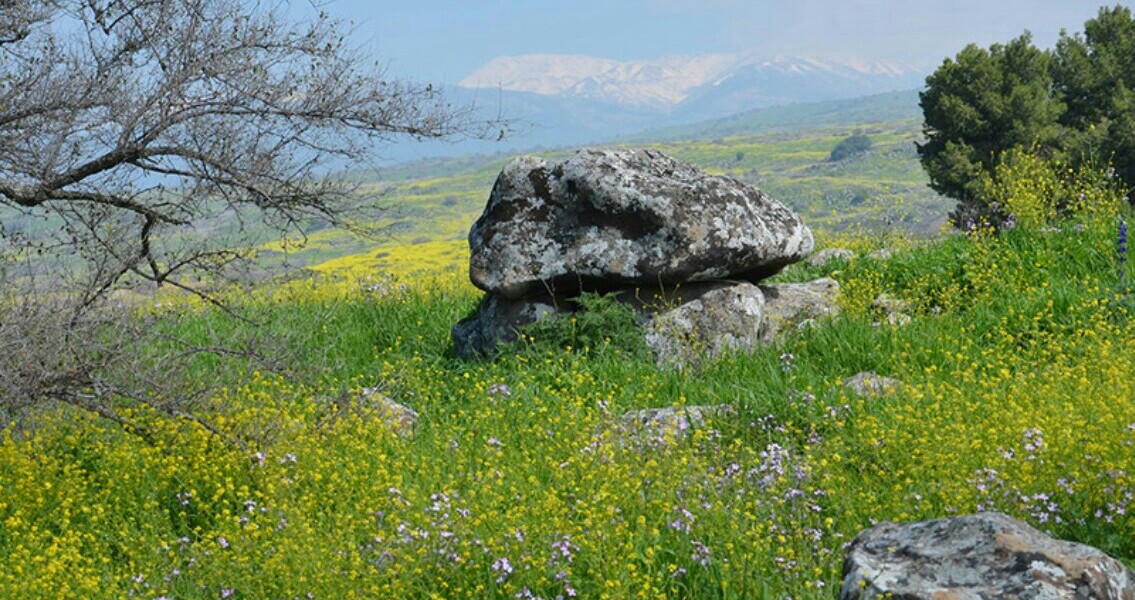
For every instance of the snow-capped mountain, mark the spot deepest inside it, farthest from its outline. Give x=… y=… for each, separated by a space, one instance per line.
x=551 y=100
x=700 y=85
x=659 y=83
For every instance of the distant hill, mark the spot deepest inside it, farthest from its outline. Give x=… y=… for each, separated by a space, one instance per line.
x=535 y=122
x=892 y=106
x=553 y=122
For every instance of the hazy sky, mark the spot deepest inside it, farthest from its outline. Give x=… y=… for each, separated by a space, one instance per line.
x=445 y=40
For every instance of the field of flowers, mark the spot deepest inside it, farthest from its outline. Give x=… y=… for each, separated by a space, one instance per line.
x=1018 y=396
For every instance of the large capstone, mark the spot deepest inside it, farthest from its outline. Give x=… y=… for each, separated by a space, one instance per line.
x=608 y=219
x=988 y=555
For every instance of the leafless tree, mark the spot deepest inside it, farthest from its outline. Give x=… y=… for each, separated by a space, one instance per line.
x=129 y=126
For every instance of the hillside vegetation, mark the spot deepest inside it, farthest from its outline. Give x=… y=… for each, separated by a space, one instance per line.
x=1018 y=370
x=434 y=202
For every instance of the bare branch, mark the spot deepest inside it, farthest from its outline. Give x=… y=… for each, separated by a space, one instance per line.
x=127 y=125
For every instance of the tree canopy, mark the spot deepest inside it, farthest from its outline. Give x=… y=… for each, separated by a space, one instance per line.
x=1074 y=102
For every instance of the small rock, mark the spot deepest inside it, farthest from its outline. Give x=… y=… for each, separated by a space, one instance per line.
x=827 y=255
x=721 y=318
x=988 y=555
x=867 y=383
x=898 y=319
x=881 y=254
x=654 y=426
x=890 y=304
x=893 y=310
x=399 y=418
x=790 y=305
x=498 y=320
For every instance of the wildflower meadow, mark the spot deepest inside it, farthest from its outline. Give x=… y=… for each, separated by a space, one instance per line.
x=1017 y=395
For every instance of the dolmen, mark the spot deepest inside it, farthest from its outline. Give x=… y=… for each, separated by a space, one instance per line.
x=686 y=249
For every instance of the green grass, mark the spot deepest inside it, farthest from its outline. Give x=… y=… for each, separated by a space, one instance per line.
x=1011 y=335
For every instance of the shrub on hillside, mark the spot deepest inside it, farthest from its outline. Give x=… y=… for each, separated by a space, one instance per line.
x=850 y=146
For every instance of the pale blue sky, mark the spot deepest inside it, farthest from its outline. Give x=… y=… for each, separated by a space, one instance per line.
x=444 y=40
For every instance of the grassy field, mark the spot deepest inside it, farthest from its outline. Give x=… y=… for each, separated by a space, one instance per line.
x=1018 y=371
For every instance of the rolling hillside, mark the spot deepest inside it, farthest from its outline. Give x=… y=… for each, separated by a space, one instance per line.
x=437 y=200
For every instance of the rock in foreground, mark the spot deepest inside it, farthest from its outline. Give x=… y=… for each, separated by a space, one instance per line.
x=607 y=219
x=983 y=556
x=827 y=255
x=499 y=320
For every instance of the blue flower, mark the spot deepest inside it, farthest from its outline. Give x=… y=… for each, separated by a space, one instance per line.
x=1122 y=241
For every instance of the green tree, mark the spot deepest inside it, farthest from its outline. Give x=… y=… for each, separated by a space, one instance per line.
x=1095 y=76
x=977 y=106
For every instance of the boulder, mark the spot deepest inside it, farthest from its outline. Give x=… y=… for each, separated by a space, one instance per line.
x=723 y=317
x=988 y=555
x=789 y=305
x=683 y=325
x=867 y=383
x=608 y=219
x=827 y=255
x=498 y=320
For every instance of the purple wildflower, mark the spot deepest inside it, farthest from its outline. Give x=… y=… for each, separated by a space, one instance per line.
x=564 y=549
x=503 y=568
x=1034 y=441
x=701 y=554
